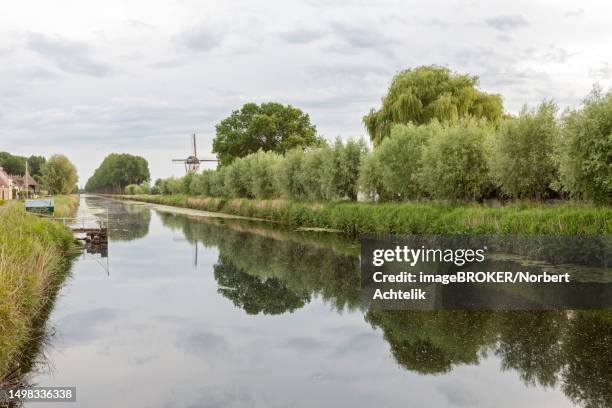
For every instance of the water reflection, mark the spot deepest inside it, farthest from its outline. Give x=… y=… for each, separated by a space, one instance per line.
x=324 y=265
x=256 y=295
x=127 y=221
x=266 y=270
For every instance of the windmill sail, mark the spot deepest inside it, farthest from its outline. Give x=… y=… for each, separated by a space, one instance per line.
x=192 y=163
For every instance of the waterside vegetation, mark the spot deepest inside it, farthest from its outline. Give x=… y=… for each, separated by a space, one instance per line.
x=34 y=260
x=407 y=218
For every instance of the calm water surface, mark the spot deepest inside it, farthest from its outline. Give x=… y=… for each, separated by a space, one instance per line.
x=209 y=312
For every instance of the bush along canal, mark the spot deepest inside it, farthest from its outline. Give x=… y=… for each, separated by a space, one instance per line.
x=433 y=217
x=35 y=258
x=200 y=310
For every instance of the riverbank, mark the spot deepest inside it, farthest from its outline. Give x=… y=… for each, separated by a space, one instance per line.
x=407 y=218
x=34 y=261
x=66 y=205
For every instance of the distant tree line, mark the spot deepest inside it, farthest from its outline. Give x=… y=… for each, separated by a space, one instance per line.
x=324 y=173
x=55 y=176
x=118 y=171
x=436 y=136
x=15 y=165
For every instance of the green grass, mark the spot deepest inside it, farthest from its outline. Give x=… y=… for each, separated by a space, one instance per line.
x=66 y=205
x=409 y=218
x=34 y=254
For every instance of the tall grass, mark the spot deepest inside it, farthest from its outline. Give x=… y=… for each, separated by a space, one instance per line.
x=33 y=254
x=66 y=205
x=409 y=218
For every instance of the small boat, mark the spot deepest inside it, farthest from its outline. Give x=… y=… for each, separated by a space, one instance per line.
x=40 y=206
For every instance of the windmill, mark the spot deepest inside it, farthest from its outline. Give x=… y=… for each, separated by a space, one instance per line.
x=192 y=163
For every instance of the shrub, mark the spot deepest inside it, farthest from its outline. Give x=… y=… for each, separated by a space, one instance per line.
x=340 y=169
x=201 y=183
x=186 y=183
x=217 y=183
x=454 y=162
x=172 y=185
x=585 y=149
x=370 y=178
x=132 y=189
x=310 y=175
x=401 y=160
x=522 y=159
x=287 y=175
x=236 y=180
x=260 y=169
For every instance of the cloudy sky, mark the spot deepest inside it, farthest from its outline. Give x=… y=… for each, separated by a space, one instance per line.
x=87 y=78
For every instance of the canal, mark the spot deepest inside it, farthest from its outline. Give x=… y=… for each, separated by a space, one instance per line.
x=194 y=311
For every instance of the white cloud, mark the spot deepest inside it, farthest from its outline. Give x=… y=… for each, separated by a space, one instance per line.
x=90 y=78
x=67 y=55
x=507 y=22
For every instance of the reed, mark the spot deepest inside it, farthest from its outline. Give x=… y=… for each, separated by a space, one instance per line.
x=427 y=217
x=34 y=258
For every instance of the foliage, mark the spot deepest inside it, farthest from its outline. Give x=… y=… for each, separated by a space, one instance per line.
x=370 y=178
x=59 y=175
x=411 y=217
x=585 y=151
x=287 y=174
x=425 y=93
x=260 y=174
x=172 y=185
x=521 y=159
x=32 y=266
x=324 y=173
x=65 y=205
x=16 y=164
x=117 y=171
x=268 y=127
x=339 y=172
x=132 y=189
x=454 y=161
x=393 y=171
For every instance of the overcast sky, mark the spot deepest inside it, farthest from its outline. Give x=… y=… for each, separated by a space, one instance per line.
x=87 y=78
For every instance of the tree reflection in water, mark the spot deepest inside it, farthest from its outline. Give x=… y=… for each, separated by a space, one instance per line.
x=546 y=348
x=255 y=295
x=262 y=269
x=127 y=221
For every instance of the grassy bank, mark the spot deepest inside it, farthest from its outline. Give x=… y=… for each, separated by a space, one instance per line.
x=66 y=205
x=408 y=218
x=34 y=257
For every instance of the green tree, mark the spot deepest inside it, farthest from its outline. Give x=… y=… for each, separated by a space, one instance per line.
x=425 y=93
x=12 y=164
x=455 y=163
x=340 y=169
x=398 y=163
x=117 y=171
x=370 y=178
x=35 y=165
x=59 y=175
x=522 y=159
x=269 y=126
x=585 y=151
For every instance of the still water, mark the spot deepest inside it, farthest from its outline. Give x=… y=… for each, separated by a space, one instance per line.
x=211 y=312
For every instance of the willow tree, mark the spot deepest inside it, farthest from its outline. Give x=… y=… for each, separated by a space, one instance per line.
x=429 y=92
x=59 y=175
